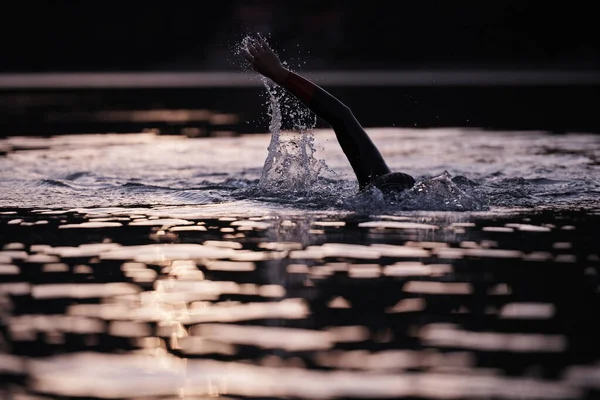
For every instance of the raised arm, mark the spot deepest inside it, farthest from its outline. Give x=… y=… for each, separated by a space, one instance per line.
x=364 y=157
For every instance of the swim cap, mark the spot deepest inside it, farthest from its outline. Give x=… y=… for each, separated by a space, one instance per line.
x=392 y=182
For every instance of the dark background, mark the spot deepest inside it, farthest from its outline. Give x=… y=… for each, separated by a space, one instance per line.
x=178 y=35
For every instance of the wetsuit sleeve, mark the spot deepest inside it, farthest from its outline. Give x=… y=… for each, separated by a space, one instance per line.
x=364 y=157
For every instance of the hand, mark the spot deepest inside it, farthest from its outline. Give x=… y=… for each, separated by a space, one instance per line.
x=264 y=60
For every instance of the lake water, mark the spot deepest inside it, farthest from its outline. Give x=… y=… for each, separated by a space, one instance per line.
x=140 y=266
x=503 y=170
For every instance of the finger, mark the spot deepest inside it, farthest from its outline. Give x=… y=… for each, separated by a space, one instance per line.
x=264 y=42
x=257 y=43
x=259 y=40
x=247 y=56
x=253 y=50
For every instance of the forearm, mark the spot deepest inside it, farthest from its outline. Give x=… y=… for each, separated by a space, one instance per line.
x=317 y=99
x=297 y=85
x=280 y=75
x=302 y=88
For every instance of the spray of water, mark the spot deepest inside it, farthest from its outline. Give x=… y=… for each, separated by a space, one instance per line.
x=291 y=165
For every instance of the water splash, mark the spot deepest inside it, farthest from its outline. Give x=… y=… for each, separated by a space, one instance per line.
x=439 y=193
x=443 y=193
x=291 y=164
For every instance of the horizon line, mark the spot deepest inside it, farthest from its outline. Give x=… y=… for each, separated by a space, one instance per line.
x=229 y=79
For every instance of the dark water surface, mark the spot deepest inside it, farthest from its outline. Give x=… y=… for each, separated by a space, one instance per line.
x=168 y=302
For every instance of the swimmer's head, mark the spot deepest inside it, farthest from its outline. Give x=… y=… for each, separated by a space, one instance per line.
x=392 y=182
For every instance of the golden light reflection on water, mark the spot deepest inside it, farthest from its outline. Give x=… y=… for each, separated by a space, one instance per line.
x=447 y=335
x=171 y=376
x=410 y=307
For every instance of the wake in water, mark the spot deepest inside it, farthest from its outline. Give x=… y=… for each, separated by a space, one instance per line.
x=443 y=192
x=439 y=193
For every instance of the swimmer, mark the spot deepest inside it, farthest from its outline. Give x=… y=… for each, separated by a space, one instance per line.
x=364 y=157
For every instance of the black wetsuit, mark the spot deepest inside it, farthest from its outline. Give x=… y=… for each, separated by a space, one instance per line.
x=364 y=157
